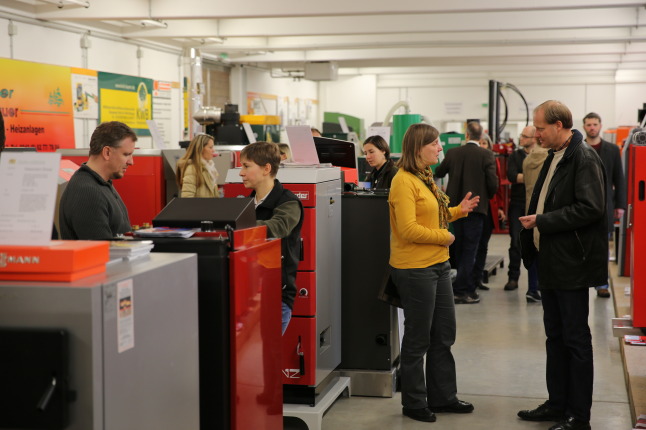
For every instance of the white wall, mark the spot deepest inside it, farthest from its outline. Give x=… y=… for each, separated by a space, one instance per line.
x=61 y=47
x=445 y=100
x=295 y=100
x=351 y=95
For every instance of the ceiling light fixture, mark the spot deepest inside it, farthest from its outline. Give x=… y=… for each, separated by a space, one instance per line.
x=153 y=23
x=214 y=40
x=83 y=3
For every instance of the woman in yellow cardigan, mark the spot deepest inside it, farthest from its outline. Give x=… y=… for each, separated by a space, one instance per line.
x=196 y=172
x=419 y=253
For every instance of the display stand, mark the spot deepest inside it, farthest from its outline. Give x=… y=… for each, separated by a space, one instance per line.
x=312 y=416
x=491 y=265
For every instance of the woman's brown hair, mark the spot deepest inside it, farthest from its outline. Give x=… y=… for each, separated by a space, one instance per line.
x=193 y=156
x=416 y=137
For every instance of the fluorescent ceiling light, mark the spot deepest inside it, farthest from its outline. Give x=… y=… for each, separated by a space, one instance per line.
x=153 y=23
x=83 y=3
x=213 y=40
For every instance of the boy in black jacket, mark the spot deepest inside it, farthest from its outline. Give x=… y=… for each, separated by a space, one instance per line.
x=277 y=208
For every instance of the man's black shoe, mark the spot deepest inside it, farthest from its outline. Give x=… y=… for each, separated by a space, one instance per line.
x=474 y=295
x=511 y=285
x=481 y=286
x=459 y=407
x=571 y=424
x=423 y=414
x=542 y=413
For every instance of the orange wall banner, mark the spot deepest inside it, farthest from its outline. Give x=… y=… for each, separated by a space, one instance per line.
x=35 y=101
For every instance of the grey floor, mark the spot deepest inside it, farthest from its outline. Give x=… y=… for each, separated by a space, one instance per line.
x=500 y=358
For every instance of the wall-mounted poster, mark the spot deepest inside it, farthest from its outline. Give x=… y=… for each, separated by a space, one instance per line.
x=127 y=99
x=85 y=93
x=36 y=103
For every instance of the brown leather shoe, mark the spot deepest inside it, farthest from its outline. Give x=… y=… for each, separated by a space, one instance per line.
x=603 y=292
x=511 y=285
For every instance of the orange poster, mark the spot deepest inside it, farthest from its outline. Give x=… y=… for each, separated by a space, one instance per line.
x=36 y=103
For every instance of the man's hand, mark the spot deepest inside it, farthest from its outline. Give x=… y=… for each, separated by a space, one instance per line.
x=528 y=221
x=468 y=204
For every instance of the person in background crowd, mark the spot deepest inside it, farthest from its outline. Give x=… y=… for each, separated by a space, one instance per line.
x=378 y=157
x=277 y=208
x=285 y=152
x=196 y=172
x=566 y=233
x=615 y=180
x=527 y=143
x=419 y=253
x=90 y=207
x=316 y=132
x=471 y=169
x=487 y=228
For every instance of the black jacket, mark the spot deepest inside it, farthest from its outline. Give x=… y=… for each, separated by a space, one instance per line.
x=470 y=168
x=291 y=243
x=514 y=167
x=573 y=227
x=382 y=178
x=616 y=181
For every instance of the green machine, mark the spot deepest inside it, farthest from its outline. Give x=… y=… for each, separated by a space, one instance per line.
x=449 y=140
x=400 y=125
x=356 y=124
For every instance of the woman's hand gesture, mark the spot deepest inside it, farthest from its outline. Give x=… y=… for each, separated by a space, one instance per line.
x=468 y=204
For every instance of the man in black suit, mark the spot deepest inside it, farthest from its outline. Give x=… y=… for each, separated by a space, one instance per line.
x=471 y=169
x=615 y=180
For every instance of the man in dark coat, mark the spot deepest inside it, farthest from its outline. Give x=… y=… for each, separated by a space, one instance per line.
x=616 y=181
x=566 y=232
x=471 y=169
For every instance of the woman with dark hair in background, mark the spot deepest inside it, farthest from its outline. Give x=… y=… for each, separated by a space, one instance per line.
x=419 y=254
x=378 y=157
x=196 y=172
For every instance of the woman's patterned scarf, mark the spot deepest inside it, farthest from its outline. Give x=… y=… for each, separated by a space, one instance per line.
x=426 y=176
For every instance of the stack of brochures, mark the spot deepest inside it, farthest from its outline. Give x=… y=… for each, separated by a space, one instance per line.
x=130 y=249
x=635 y=340
x=165 y=232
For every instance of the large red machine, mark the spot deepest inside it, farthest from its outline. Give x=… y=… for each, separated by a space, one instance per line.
x=239 y=284
x=312 y=342
x=636 y=230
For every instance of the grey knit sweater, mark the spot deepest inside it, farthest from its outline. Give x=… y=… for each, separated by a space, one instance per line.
x=91 y=209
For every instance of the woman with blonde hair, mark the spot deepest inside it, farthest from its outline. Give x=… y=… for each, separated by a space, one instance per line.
x=196 y=172
x=419 y=253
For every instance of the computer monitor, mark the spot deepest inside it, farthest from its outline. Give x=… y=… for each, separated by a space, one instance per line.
x=340 y=153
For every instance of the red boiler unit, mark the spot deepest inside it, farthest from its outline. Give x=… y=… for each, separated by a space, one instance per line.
x=312 y=342
x=637 y=228
x=239 y=285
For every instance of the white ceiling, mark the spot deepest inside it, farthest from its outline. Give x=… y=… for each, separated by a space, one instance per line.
x=378 y=36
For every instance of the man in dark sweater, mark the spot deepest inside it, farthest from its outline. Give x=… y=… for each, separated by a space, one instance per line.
x=615 y=179
x=527 y=142
x=90 y=208
x=278 y=209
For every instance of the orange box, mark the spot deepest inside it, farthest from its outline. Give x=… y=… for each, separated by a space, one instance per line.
x=62 y=261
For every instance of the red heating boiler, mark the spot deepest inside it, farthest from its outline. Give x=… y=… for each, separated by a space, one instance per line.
x=637 y=229
x=312 y=342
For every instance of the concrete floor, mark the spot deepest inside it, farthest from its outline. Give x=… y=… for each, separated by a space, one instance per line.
x=500 y=358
